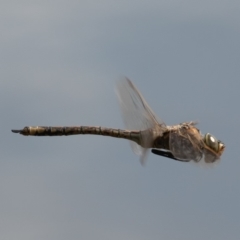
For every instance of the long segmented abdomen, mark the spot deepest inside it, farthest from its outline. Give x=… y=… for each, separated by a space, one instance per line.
x=75 y=130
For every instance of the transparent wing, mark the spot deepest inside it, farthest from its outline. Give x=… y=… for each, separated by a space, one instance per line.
x=186 y=143
x=137 y=115
x=210 y=156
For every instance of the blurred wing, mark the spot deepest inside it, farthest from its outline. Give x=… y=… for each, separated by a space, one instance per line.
x=210 y=156
x=136 y=113
x=186 y=144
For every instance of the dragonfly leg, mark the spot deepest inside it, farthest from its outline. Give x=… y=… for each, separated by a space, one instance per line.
x=166 y=154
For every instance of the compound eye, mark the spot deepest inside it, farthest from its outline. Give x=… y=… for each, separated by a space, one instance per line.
x=211 y=142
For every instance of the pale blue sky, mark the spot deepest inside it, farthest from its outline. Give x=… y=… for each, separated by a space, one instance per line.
x=60 y=61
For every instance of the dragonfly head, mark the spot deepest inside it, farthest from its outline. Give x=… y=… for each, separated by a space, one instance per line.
x=213 y=143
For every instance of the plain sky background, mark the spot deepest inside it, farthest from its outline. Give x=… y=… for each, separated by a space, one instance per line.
x=59 y=64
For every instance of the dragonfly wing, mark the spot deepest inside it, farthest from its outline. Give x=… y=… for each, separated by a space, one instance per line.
x=136 y=113
x=143 y=156
x=186 y=143
x=210 y=156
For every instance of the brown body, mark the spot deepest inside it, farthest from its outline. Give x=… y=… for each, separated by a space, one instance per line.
x=76 y=130
x=135 y=136
x=184 y=141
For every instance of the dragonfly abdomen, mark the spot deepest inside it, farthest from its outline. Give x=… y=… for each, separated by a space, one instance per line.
x=75 y=130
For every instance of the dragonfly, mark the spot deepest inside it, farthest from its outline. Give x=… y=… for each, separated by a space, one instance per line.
x=182 y=142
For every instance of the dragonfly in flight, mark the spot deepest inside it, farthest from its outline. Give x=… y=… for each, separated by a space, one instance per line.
x=182 y=142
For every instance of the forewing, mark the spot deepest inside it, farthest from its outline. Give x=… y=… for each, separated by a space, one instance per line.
x=136 y=113
x=186 y=144
x=210 y=156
